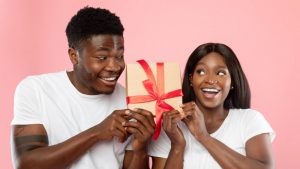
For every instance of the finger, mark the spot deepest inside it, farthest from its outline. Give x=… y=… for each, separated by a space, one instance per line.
x=120 y=135
x=142 y=119
x=138 y=126
x=147 y=114
x=166 y=121
x=116 y=121
x=171 y=112
x=137 y=132
x=118 y=127
x=121 y=115
x=188 y=108
x=171 y=119
x=187 y=105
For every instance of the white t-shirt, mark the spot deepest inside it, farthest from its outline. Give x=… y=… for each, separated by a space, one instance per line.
x=52 y=100
x=239 y=126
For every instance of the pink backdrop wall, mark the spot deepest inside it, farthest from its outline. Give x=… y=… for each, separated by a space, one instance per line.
x=264 y=34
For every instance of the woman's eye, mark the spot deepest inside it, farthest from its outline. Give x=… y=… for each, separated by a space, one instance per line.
x=221 y=73
x=200 y=72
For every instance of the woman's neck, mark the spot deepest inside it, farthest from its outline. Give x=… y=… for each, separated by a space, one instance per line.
x=213 y=117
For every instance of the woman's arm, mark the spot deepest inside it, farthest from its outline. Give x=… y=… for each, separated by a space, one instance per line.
x=176 y=154
x=258 y=153
x=258 y=148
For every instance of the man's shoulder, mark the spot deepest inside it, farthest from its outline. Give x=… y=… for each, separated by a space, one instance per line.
x=34 y=81
x=42 y=77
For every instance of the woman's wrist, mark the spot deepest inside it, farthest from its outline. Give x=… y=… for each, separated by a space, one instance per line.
x=202 y=137
x=177 y=146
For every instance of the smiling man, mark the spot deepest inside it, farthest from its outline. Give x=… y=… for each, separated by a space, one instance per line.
x=78 y=119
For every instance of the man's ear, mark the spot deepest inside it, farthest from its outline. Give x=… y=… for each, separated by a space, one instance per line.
x=73 y=55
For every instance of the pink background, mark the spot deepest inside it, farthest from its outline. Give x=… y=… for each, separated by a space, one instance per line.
x=264 y=34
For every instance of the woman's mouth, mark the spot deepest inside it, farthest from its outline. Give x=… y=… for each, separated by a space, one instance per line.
x=210 y=92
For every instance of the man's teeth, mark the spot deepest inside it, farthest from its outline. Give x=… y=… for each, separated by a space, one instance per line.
x=210 y=90
x=109 y=78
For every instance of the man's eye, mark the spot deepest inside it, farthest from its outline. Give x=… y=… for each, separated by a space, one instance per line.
x=101 y=57
x=120 y=57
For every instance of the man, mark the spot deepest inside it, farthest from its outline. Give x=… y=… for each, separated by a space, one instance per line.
x=78 y=119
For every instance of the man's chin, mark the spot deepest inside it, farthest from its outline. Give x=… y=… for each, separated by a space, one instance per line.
x=106 y=90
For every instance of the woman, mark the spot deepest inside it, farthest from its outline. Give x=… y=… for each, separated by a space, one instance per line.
x=215 y=127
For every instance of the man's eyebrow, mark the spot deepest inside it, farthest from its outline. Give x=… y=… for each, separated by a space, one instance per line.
x=103 y=48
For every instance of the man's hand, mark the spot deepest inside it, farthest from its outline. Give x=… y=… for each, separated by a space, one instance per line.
x=112 y=126
x=142 y=128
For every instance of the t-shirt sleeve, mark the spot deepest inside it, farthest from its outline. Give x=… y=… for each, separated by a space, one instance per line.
x=255 y=124
x=160 y=147
x=26 y=103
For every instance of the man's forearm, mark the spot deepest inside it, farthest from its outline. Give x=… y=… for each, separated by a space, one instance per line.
x=58 y=156
x=138 y=160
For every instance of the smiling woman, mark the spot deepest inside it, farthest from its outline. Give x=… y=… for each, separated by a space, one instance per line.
x=215 y=127
x=211 y=80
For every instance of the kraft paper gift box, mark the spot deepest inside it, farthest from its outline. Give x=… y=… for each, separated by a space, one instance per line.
x=155 y=87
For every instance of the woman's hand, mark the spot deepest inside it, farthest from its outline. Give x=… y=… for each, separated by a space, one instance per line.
x=194 y=120
x=170 y=120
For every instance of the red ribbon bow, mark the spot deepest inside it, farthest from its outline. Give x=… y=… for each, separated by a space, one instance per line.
x=156 y=92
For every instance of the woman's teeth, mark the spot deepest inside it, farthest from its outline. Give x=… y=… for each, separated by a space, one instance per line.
x=210 y=90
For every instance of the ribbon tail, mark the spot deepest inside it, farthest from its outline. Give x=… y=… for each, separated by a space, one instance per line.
x=157 y=129
x=159 y=112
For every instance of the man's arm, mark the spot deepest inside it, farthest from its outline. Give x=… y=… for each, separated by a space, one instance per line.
x=33 y=151
x=142 y=130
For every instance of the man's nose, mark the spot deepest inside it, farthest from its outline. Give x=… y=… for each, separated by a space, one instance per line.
x=112 y=65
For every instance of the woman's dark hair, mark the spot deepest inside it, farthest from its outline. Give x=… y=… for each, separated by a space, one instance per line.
x=239 y=96
x=91 y=21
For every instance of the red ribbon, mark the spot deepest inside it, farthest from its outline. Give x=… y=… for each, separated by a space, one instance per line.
x=156 y=92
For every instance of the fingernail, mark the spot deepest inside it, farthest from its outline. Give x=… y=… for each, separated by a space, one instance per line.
x=123 y=123
x=127 y=112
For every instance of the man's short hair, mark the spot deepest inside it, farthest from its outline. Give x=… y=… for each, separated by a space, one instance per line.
x=91 y=21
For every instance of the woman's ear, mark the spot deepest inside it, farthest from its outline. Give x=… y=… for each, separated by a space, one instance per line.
x=73 y=55
x=190 y=79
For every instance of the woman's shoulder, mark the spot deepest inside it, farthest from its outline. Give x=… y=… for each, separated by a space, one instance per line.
x=245 y=112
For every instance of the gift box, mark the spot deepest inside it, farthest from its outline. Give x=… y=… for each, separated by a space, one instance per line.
x=155 y=87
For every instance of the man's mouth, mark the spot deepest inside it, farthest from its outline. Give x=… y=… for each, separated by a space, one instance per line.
x=110 y=80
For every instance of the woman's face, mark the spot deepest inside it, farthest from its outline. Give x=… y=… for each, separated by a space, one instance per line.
x=211 y=81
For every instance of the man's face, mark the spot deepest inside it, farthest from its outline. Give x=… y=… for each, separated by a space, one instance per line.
x=99 y=65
